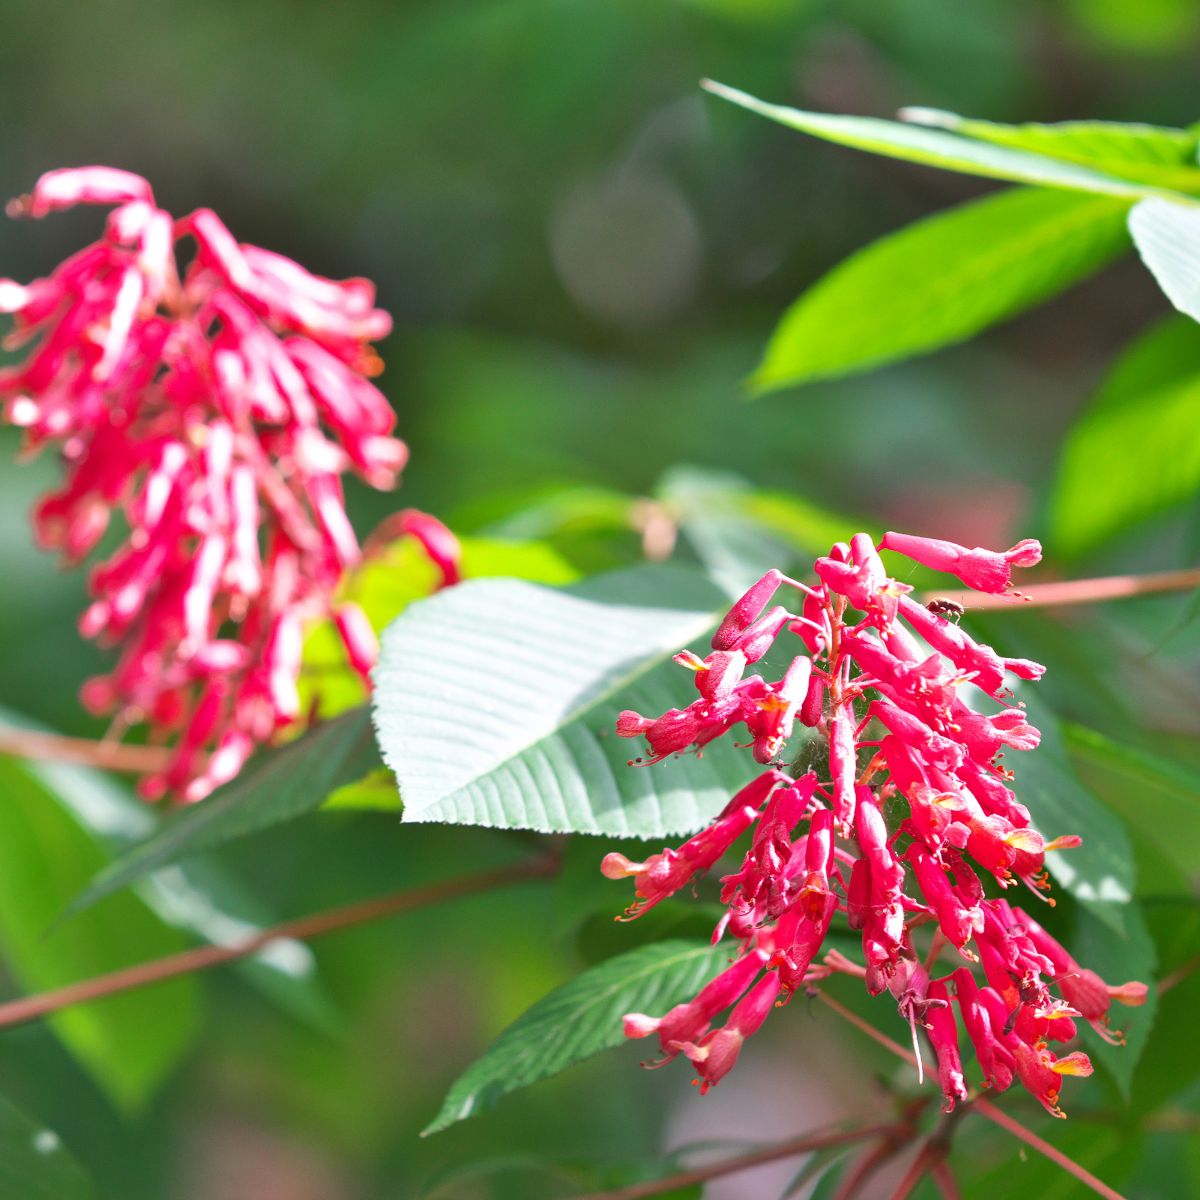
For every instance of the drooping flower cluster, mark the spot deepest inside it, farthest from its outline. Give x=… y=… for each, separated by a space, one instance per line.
x=879 y=697
x=217 y=408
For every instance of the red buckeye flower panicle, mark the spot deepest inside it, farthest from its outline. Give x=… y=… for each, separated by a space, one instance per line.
x=217 y=407
x=895 y=809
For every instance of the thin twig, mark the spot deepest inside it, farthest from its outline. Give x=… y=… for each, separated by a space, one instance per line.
x=29 y=1008
x=110 y=755
x=1177 y=976
x=742 y=1162
x=987 y=1109
x=944 y=1181
x=999 y=1117
x=1078 y=591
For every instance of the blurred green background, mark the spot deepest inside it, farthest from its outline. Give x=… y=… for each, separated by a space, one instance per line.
x=584 y=256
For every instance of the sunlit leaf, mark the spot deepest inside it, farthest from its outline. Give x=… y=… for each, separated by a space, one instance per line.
x=1167 y=236
x=496 y=704
x=934 y=147
x=580 y=1019
x=1134 y=452
x=1152 y=154
x=941 y=280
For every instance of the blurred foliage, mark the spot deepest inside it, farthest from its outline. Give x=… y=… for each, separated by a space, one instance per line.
x=585 y=257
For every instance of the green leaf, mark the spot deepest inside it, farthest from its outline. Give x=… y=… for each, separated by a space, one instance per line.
x=496 y=704
x=738 y=532
x=129 y=1041
x=278 y=786
x=1162 y=799
x=34 y=1165
x=1134 y=452
x=1119 y=959
x=1151 y=154
x=1099 y=874
x=941 y=280
x=580 y=1019
x=1167 y=236
x=933 y=147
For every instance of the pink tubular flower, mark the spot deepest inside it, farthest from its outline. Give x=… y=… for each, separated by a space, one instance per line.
x=217 y=407
x=822 y=842
x=983 y=570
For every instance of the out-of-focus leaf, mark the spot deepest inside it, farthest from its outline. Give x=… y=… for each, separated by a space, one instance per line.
x=1134 y=451
x=1119 y=959
x=34 y=1165
x=739 y=532
x=200 y=897
x=580 y=1019
x=933 y=147
x=1099 y=874
x=1167 y=236
x=941 y=280
x=279 y=785
x=1159 y=795
x=130 y=1041
x=496 y=704
x=1153 y=154
x=376 y=791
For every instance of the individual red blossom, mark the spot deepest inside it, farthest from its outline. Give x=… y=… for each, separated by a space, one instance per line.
x=943 y=1034
x=983 y=570
x=689 y=1022
x=714 y=1057
x=891 y=683
x=217 y=407
x=1082 y=988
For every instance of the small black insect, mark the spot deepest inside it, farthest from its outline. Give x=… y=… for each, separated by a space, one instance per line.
x=942 y=607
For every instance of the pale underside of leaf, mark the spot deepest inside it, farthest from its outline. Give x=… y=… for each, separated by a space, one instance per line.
x=1150 y=154
x=934 y=147
x=496 y=704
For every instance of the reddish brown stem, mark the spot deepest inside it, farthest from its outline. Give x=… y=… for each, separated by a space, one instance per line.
x=1079 y=591
x=944 y=1180
x=989 y=1110
x=29 y=1008
x=742 y=1162
x=1177 y=976
x=999 y=1117
x=52 y=747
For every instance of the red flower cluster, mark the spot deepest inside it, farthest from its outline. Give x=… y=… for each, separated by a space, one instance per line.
x=218 y=410
x=886 y=718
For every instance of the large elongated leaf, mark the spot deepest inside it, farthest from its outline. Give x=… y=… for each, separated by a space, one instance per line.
x=580 y=1019
x=278 y=786
x=1167 y=236
x=941 y=280
x=130 y=1041
x=934 y=147
x=34 y=1165
x=496 y=704
x=1099 y=874
x=1118 y=959
x=200 y=898
x=1134 y=452
x=1152 y=154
